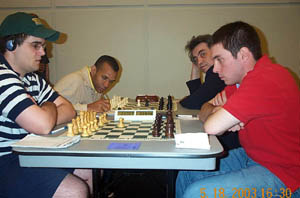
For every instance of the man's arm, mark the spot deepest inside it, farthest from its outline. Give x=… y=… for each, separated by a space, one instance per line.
x=38 y=120
x=41 y=120
x=65 y=110
x=219 y=122
x=195 y=72
x=212 y=85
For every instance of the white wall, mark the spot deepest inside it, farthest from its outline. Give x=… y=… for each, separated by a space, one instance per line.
x=148 y=37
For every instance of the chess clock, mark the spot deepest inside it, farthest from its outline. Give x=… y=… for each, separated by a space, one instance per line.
x=135 y=114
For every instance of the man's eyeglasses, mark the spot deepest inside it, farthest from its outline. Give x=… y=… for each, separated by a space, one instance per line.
x=37 y=45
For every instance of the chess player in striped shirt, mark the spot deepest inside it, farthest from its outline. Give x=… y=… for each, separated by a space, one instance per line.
x=29 y=105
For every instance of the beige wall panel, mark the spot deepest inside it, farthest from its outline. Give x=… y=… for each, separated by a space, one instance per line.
x=24 y=3
x=171 y=27
x=149 y=40
x=194 y=2
x=97 y=2
x=92 y=33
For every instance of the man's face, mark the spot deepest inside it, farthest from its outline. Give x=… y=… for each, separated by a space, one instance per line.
x=229 y=68
x=202 y=57
x=28 y=55
x=103 y=77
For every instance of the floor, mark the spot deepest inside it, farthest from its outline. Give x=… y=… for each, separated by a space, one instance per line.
x=135 y=183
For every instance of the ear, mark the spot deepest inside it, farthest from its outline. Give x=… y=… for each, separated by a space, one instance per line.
x=244 y=54
x=93 y=70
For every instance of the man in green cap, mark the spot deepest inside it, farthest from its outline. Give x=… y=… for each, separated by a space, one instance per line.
x=24 y=96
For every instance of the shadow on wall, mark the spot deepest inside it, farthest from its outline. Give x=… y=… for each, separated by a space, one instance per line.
x=265 y=50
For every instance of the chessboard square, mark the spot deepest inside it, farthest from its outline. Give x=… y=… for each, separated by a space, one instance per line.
x=126 y=136
x=145 y=127
x=116 y=131
x=131 y=128
x=98 y=137
x=130 y=131
x=147 y=122
x=142 y=131
x=111 y=124
x=101 y=133
x=112 y=136
x=140 y=137
x=138 y=133
x=108 y=127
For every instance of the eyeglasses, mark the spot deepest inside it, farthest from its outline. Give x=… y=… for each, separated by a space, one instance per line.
x=201 y=54
x=37 y=45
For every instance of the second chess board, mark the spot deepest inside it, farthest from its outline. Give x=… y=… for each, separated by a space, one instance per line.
x=152 y=105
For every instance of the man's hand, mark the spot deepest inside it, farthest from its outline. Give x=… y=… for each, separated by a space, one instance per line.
x=195 y=73
x=237 y=127
x=212 y=106
x=220 y=99
x=100 y=105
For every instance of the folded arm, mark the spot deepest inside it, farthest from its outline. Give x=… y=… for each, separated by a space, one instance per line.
x=41 y=119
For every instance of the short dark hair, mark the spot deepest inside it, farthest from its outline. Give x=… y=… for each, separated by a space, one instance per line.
x=109 y=60
x=18 y=40
x=191 y=44
x=236 y=35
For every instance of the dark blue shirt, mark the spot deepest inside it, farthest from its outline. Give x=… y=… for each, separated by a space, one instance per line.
x=201 y=93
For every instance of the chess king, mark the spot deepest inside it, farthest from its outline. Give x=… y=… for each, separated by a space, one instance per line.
x=85 y=88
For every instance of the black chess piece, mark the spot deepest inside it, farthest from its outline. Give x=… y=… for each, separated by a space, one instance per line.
x=169 y=115
x=161 y=104
x=169 y=130
x=156 y=130
x=170 y=103
x=146 y=103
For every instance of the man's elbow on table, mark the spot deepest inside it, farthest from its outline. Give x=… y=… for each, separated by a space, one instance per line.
x=219 y=122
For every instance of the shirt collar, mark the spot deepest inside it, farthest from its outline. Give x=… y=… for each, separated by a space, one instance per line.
x=90 y=79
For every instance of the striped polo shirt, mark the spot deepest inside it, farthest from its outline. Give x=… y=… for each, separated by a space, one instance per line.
x=14 y=99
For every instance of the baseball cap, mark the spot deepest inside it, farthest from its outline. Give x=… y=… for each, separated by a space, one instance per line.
x=22 y=22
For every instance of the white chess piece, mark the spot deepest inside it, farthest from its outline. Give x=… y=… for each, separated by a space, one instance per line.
x=138 y=103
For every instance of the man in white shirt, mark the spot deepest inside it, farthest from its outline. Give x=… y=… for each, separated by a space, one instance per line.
x=84 y=88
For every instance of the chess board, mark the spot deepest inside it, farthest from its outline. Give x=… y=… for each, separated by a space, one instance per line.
x=133 y=130
x=152 y=105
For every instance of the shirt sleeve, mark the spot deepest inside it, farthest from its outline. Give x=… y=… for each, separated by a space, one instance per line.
x=212 y=85
x=193 y=85
x=13 y=98
x=253 y=99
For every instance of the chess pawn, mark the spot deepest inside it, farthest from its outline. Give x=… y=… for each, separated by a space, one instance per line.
x=75 y=129
x=92 y=126
x=155 y=130
x=85 y=132
x=104 y=118
x=100 y=123
x=82 y=120
x=138 y=103
x=70 y=130
x=88 y=128
x=78 y=125
x=96 y=124
x=94 y=115
x=121 y=123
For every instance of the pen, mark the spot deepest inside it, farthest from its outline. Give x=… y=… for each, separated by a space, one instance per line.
x=59 y=129
x=105 y=96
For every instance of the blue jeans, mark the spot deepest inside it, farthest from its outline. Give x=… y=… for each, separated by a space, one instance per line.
x=238 y=176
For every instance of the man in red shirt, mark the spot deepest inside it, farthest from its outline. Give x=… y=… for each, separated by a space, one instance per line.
x=262 y=102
